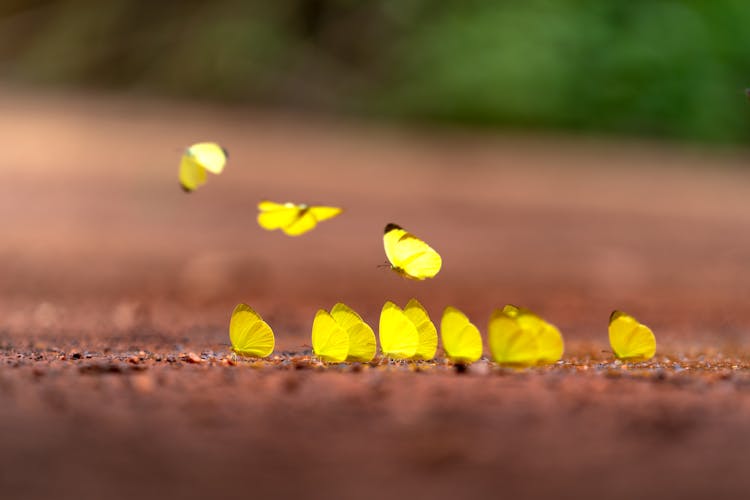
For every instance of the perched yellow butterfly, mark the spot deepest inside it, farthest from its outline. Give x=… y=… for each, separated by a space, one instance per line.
x=509 y=343
x=428 y=337
x=362 y=344
x=341 y=335
x=249 y=334
x=407 y=333
x=462 y=341
x=519 y=337
x=330 y=341
x=630 y=340
x=410 y=256
x=199 y=158
x=291 y=218
x=399 y=337
x=549 y=339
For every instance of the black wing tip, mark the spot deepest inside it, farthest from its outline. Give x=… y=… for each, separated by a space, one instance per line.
x=615 y=314
x=390 y=227
x=185 y=188
x=226 y=153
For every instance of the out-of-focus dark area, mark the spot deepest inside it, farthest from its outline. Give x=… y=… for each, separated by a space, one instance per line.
x=663 y=68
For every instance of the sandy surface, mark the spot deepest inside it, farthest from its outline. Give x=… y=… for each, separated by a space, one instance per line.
x=110 y=277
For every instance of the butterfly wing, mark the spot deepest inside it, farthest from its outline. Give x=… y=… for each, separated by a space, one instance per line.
x=630 y=340
x=391 y=238
x=192 y=175
x=409 y=255
x=461 y=339
x=551 y=344
x=362 y=344
x=549 y=339
x=398 y=335
x=345 y=315
x=324 y=213
x=277 y=215
x=209 y=155
x=330 y=341
x=304 y=222
x=249 y=334
x=308 y=218
x=425 y=328
x=509 y=343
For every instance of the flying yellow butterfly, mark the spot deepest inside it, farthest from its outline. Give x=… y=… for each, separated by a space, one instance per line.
x=630 y=340
x=199 y=158
x=519 y=337
x=410 y=256
x=407 y=333
x=462 y=341
x=341 y=335
x=291 y=218
x=249 y=334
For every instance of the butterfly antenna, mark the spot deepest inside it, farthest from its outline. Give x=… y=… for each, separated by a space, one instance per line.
x=385 y=264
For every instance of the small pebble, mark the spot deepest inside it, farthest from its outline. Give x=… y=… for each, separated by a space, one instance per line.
x=191 y=357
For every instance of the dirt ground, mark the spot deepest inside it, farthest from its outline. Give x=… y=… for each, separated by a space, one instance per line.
x=116 y=289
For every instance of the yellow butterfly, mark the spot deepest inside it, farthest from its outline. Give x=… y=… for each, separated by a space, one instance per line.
x=410 y=256
x=249 y=334
x=341 y=335
x=199 y=158
x=330 y=341
x=407 y=333
x=462 y=341
x=509 y=343
x=630 y=340
x=519 y=337
x=362 y=344
x=549 y=339
x=291 y=218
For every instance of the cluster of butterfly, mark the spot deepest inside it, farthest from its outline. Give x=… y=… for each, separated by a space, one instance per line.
x=407 y=254
x=516 y=335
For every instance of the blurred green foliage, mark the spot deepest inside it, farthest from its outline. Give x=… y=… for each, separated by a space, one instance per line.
x=664 y=68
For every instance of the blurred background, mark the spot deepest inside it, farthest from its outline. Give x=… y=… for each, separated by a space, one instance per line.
x=651 y=68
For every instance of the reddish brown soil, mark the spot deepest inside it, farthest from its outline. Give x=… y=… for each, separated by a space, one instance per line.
x=116 y=287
